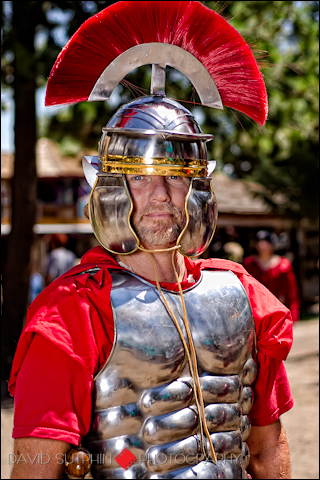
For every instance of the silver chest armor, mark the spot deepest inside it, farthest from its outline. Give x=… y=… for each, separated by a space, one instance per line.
x=143 y=397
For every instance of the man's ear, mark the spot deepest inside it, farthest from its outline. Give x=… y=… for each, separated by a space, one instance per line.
x=85 y=211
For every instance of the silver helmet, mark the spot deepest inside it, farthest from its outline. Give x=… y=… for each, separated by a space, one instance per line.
x=155 y=135
x=152 y=135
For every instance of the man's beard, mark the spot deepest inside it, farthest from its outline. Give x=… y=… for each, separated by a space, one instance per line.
x=159 y=233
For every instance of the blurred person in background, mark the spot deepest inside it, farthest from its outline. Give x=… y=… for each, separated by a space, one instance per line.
x=60 y=259
x=233 y=251
x=274 y=272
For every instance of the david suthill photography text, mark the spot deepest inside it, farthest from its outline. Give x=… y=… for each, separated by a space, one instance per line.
x=102 y=459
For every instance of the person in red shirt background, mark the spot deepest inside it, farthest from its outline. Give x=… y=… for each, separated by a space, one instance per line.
x=274 y=272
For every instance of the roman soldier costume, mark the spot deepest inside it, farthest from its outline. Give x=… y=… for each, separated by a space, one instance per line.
x=176 y=389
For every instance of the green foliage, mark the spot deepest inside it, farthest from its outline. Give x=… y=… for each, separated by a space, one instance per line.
x=282 y=155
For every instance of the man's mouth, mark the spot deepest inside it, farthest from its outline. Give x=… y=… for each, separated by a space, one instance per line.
x=159 y=215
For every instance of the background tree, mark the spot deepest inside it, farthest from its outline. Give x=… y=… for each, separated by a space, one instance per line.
x=16 y=269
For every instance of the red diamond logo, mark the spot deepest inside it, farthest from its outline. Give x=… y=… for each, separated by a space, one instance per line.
x=125 y=458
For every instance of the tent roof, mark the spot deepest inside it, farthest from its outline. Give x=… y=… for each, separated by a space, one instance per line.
x=49 y=162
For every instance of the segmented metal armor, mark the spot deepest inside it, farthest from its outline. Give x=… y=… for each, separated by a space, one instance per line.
x=143 y=395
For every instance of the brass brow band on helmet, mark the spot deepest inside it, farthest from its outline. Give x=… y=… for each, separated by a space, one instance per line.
x=180 y=167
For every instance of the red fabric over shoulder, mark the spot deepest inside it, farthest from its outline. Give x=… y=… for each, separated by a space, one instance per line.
x=61 y=311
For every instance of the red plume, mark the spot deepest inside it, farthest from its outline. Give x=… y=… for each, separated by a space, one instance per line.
x=187 y=24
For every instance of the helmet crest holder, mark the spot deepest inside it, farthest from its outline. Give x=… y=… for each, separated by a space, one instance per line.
x=159 y=55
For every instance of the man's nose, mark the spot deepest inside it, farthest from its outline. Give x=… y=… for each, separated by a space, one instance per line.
x=159 y=190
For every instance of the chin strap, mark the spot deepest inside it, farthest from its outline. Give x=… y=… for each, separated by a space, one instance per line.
x=190 y=351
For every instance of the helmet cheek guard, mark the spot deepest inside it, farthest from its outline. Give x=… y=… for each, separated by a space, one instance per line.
x=110 y=208
x=202 y=213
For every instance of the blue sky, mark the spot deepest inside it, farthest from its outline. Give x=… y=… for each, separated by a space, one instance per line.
x=7 y=121
x=7 y=117
x=7 y=114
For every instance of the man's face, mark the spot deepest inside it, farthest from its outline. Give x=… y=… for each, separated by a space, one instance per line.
x=264 y=246
x=159 y=208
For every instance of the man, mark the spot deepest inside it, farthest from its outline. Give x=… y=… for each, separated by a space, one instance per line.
x=184 y=357
x=274 y=272
x=60 y=258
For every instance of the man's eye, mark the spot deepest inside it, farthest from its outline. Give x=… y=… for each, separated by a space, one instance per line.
x=173 y=178
x=178 y=180
x=138 y=181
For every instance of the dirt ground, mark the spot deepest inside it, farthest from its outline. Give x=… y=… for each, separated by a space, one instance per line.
x=301 y=423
